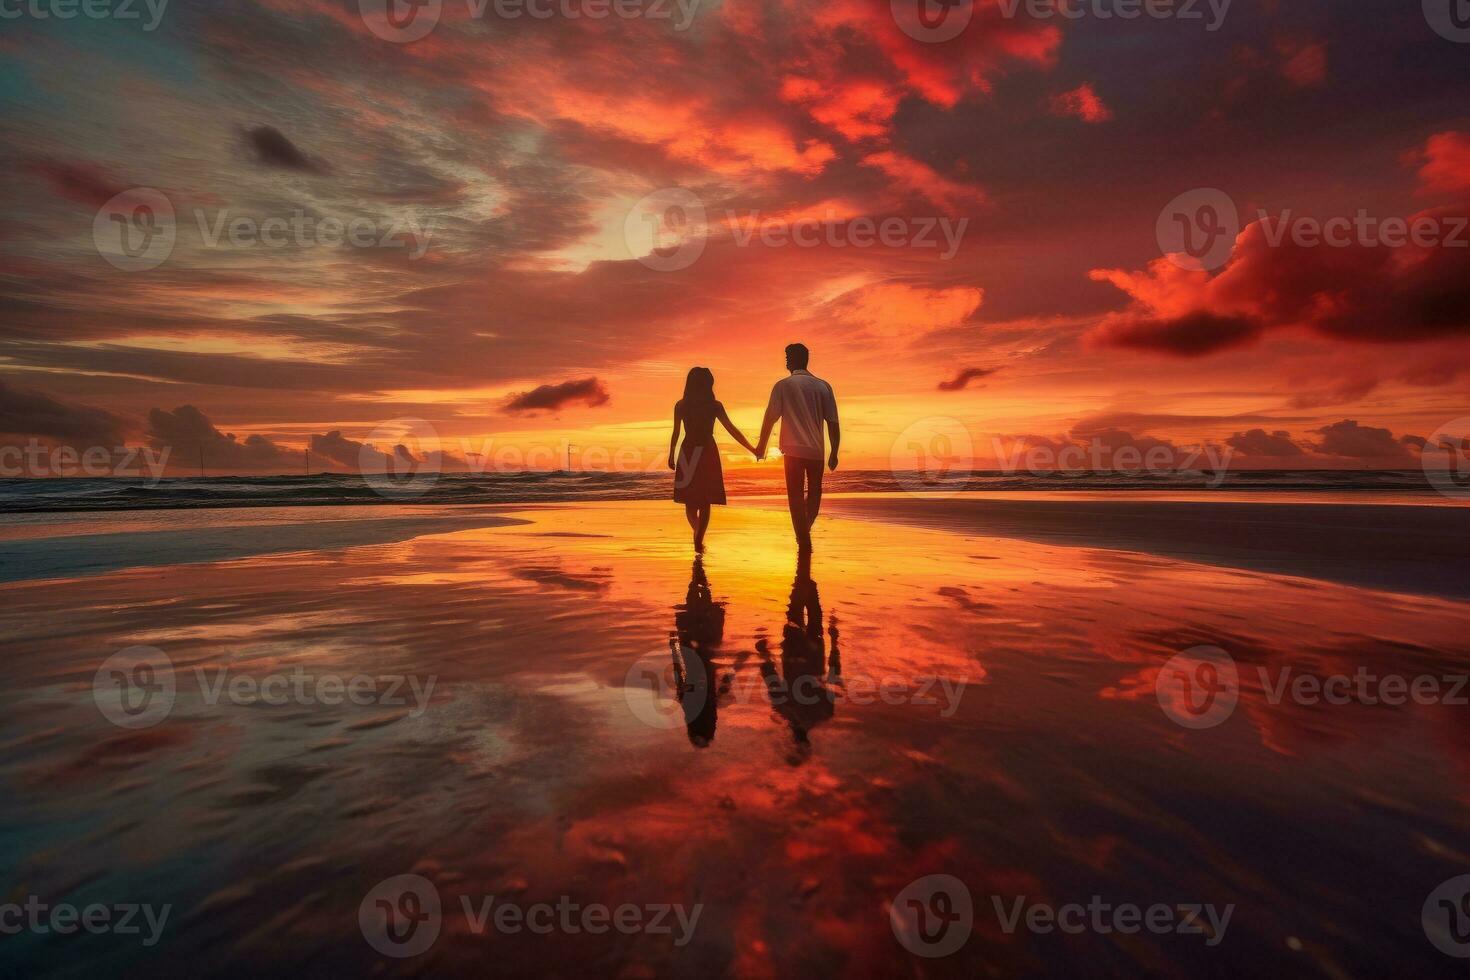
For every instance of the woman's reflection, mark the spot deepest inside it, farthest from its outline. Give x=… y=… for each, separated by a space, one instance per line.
x=699 y=630
x=802 y=690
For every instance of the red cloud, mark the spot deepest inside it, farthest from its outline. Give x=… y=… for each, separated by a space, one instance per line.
x=939 y=73
x=917 y=178
x=1303 y=63
x=1446 y=168
x=1367 y=292
x=1342 y=392
x=1082 y=102
x=858 y=109
x=84 y=183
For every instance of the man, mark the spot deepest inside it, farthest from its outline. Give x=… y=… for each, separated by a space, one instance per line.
x=802 y=402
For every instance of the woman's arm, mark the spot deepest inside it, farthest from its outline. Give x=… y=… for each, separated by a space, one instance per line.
x=735 y=433
x=674 y=439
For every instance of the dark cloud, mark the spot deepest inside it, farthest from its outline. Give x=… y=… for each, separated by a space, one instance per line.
x=32 y=414
x=273 y=149
x=1351 y=440
x=1113 y=441
x=355 y=455
x=398 y=458
x=589 y=391
x=1191 y=335
x=193 y=367
x=189 y=434
x=962 y=380
x=1259 y=442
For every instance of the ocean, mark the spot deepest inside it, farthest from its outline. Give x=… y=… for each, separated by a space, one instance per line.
x=92 y=494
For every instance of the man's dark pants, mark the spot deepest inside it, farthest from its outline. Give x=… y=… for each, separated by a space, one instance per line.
x=803 y=494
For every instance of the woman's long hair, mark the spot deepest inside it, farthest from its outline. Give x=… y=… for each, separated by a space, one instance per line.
x=699 y=386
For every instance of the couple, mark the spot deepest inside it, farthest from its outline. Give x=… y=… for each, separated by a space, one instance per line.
x=802 y=401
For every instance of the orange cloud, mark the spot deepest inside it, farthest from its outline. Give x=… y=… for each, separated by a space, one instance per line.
x=900 y=310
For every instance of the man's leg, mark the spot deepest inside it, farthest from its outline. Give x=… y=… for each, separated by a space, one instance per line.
x=813 y=491
x=796 y=497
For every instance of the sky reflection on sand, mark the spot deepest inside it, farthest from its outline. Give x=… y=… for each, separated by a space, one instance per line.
x=534 y=774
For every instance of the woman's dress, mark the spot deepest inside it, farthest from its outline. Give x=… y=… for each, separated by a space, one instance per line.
x=699 y=478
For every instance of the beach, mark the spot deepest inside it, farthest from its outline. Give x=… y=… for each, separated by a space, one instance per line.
x=555 y=705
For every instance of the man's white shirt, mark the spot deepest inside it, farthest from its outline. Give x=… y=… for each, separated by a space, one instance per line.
x=804 y=402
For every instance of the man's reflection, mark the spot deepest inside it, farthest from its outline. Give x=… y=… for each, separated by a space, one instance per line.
x=699 y=630
x=802 y=689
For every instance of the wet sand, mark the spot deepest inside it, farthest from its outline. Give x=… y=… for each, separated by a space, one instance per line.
x=1021 y=748
x=1419 y=546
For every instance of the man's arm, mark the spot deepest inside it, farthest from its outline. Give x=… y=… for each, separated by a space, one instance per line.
x=834 y=428
x=773 y=412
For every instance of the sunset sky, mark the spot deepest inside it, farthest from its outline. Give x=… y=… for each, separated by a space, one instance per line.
x=504 y=157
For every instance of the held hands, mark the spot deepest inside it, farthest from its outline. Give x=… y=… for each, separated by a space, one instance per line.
x=760 y=452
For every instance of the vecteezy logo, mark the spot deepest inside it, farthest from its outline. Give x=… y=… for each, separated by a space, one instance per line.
x=932 y=21
x=1450 y=19
x=1199 y=688
x=934 y=455
x=1446 y=917
x=135 y=231
x=135 y=687
x=667 y=230
x=400 y=917
x=400 y=21
x=401 y=458
x=1446 y=459
x=661 y=693
x=933 y=916
x=1197 y=229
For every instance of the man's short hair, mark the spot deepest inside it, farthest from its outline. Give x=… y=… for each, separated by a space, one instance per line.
x=797 y=355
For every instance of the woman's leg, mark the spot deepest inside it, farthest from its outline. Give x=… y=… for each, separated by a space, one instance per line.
x=705 y=513
x=691 y=514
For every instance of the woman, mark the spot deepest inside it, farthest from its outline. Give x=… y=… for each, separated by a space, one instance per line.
x=699 y=481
